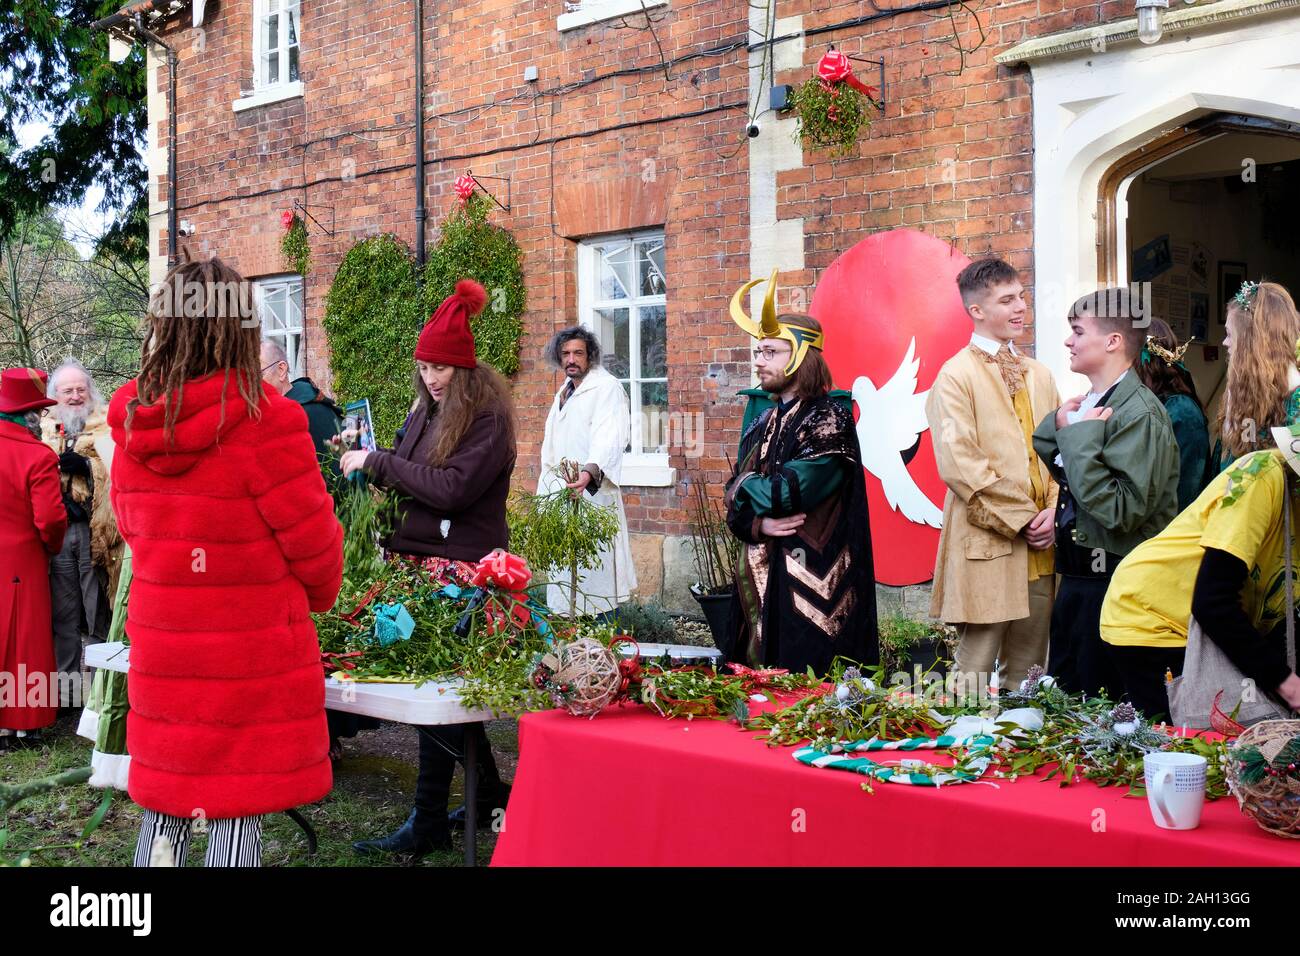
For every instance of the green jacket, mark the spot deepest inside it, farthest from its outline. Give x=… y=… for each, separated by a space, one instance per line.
x=1123 y=472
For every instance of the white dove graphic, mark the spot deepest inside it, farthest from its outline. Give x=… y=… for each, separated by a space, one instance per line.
x=890 y=420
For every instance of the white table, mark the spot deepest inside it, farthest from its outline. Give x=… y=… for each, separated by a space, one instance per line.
x=432 y=703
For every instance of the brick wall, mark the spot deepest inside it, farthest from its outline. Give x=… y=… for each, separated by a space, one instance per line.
x=951 y=156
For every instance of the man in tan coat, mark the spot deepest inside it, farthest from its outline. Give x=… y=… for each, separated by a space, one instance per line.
x=993 y=577
x=83 y=576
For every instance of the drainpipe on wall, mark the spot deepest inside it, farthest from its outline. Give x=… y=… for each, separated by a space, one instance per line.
x=419 y=136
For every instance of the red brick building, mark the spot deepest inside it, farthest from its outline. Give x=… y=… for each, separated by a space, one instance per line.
x=641 y=203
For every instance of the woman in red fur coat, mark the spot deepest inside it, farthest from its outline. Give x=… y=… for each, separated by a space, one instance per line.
x=219 y=496
x=32 y=523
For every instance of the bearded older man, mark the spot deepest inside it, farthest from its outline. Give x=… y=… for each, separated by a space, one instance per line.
x=86 y=570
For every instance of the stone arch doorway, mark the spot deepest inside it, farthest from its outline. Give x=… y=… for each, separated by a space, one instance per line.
x=1099 y=98
x=1191 y=213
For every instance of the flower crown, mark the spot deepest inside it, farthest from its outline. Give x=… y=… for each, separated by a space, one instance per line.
x=1245 y=296
x=1171 y=357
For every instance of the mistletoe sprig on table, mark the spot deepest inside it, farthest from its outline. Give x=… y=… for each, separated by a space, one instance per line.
x=707 y=692
x=1095 y=739
x=858 y=708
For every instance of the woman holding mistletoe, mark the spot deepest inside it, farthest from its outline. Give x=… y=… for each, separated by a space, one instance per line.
x=452 y=466
x=220 y=498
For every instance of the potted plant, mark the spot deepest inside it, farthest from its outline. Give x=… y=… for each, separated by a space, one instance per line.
x=715 y=550
x=906 y=643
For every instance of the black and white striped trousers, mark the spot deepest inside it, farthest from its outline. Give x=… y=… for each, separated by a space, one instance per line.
x=236 y=841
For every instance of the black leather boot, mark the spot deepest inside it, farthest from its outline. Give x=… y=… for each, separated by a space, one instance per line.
x=491 y=799
x=416 y=837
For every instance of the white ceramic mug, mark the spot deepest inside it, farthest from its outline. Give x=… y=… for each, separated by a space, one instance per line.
x=1175 y=786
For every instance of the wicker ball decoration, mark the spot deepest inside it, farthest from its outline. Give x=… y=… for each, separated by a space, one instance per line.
x=1273 y=802
x=588 y=672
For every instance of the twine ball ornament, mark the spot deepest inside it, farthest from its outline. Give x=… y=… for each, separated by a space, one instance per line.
x=587 y=676
x=1274 y=801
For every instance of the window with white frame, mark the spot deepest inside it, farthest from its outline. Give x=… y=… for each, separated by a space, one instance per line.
x=276 y=31
x=581 y=13
x=622 y=287
x=279 y=303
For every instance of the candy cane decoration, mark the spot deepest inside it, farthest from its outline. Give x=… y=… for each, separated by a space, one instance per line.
x=977 y=747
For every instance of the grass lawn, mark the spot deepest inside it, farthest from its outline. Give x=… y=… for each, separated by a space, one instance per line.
x=374 y=786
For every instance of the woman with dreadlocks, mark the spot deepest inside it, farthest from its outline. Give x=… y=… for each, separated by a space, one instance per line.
x=220 y=499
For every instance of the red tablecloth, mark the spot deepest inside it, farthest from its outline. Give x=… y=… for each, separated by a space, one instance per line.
x=630 y=788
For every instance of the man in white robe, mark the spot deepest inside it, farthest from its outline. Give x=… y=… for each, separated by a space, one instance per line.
x=589 y=423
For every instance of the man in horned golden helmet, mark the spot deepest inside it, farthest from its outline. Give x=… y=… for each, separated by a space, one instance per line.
x=797 y=501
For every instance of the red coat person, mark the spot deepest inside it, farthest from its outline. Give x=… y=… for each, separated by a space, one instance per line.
x=32 y=523
x=234 y=542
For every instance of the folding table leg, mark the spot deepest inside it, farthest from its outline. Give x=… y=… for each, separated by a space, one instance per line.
x=471 y=798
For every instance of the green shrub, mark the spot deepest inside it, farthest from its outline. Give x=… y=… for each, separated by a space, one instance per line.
x=647 y=623
x=899 y=634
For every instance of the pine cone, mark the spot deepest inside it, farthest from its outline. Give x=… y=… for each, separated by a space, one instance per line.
x=1124 y=713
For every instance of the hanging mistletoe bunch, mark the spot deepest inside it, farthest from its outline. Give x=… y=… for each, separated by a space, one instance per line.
x=293 y=244
x=833 y=106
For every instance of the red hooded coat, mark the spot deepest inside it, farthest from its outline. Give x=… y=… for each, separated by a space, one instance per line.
x=234 y=541
x=32 y=524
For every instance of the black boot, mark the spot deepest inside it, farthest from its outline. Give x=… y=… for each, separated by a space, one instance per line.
x=491 y=801
x=415 y=837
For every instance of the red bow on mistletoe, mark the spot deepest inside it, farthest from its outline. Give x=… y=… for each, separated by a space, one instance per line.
x=510 y=573
x=755 y=679
x=286 y=219
x=464 y=187
x=834 y=69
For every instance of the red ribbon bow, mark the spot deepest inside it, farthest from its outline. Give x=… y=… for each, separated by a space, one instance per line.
x=510 y=573
x=503 y=570
x=464 y=187
x=286 y=219
x=754 y=679
x=834 y=68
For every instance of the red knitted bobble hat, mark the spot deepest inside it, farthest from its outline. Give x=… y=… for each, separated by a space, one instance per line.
x=446 y=338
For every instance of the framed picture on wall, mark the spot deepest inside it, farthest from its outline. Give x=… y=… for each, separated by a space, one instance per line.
x=1231 y=276
x=1199 y=311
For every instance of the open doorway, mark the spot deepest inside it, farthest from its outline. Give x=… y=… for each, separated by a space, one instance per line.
x=1217 y=204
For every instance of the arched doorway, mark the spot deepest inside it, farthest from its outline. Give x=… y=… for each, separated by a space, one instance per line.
x=1195 y=211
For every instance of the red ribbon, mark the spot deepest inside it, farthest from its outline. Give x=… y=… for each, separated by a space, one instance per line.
x=510 y=574
x=286 y=219
x=339 y=661
x=464 y=187
x=753 y=679
x=834 y=68
x=365 y=599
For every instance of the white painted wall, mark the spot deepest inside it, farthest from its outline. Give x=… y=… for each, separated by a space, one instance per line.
x=1091 y=109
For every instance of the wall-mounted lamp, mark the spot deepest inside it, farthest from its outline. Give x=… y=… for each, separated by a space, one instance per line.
x=1149 y=15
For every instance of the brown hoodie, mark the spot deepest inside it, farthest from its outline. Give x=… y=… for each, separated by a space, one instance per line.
x=466 y=496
